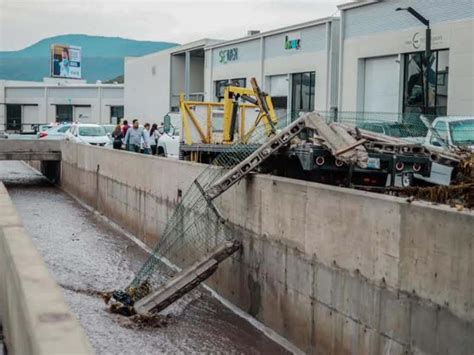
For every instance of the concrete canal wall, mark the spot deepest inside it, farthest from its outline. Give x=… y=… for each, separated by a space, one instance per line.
x=335 y=271
x=33 y=312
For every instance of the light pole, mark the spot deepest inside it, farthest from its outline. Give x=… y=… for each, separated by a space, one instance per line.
x=426 y=62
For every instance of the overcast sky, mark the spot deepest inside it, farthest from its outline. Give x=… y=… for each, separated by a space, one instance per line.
x=24 y=22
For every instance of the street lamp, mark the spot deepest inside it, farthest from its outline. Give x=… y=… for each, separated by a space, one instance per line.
x=425 y=22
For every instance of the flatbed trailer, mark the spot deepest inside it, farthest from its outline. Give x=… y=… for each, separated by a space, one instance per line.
x=315 y=163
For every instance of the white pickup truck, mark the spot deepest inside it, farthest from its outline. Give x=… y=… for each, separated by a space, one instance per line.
x=448 y=132
x=168 y=143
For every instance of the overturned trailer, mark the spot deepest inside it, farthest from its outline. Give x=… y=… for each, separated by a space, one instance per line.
x=210 y=129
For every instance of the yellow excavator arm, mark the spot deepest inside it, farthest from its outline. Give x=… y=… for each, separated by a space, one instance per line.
x=235 y=103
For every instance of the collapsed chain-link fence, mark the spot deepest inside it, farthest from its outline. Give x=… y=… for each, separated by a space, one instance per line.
x=196 y=226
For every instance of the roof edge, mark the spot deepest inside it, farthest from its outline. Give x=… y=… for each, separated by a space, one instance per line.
x=302 y=25
x=357 y=3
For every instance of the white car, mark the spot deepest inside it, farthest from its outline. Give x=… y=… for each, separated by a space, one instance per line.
x=447 y=132
x=88 y=134
x=168 y=144
x=451 y=131
x=55 y=133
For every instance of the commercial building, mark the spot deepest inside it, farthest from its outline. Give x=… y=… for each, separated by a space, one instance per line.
x=153 y=82
x=26 y=104
x=367 y=61
x=381 y=52
x=296 y=65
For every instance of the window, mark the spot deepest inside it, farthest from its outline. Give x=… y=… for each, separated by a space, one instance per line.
x=64 y=128
x=116 y=114
x=414 y=94
x=221 y=84
x=302 y=92
x=442 y=131
x=63 y=113
x=13 y=118
x=462 y=132
x=278 y=88
x=90 y=131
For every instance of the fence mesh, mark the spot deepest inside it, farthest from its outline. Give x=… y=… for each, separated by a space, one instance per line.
x=195 y=228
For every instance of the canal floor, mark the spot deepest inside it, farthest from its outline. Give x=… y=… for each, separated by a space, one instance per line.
x=86 y=255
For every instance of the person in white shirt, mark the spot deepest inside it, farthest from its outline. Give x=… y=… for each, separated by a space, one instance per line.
x=146 y=139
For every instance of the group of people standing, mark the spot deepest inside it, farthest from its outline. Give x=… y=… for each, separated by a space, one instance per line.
x=135 y=138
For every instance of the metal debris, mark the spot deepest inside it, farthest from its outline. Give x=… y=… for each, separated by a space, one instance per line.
x=460 y=194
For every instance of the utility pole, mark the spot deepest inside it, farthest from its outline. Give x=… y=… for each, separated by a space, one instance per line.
x=426 y=62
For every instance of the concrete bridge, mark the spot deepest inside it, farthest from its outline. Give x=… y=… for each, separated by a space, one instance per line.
x=333 y=270
x=46 y=152
x=30 y=149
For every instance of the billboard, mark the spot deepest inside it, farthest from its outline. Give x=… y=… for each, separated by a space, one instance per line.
x=65 y=61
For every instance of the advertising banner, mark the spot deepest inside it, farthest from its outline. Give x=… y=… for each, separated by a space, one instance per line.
x=66 y=61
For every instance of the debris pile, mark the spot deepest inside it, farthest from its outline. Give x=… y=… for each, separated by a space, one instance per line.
x=139 y=321
x=460 y=194
x=122 y=302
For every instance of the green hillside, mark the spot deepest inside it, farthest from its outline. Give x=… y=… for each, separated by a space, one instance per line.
x=102 y=57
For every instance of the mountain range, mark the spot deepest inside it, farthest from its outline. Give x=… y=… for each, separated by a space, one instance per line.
x=102 y=57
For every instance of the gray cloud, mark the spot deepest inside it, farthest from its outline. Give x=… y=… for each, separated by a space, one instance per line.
x=24 y=22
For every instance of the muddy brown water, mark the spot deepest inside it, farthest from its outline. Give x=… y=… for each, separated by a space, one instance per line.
x=86 y=256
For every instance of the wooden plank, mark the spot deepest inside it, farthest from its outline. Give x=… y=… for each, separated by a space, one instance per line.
x=350 y=147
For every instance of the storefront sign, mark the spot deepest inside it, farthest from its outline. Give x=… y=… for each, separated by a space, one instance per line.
x=417 y=41
x=293 y=41
x=228 y=55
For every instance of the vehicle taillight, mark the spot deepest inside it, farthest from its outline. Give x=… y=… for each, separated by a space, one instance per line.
x=43 y=134
x=416 y=167
x=399 y=166
x=319 y=161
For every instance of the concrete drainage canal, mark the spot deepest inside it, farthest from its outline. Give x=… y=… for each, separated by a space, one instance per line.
x=87 y=256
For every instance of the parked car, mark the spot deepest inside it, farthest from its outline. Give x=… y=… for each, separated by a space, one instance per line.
x=109 y=128
x=56 y=133
x=88 y=133
x=451 y=131
x=43 y=128
x=168 y=143
x=447 y=132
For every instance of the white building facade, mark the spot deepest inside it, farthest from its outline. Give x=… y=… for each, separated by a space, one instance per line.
x=23 y=105
x=154 y=82
x=366 y=61
x=296 y=65
x=381 y=51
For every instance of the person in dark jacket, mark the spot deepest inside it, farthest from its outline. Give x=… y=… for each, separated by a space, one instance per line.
x=117 y=135
x=125 y=127
x=154 y=135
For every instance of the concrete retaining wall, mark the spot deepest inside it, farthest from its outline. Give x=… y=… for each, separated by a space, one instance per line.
x=335 y=271
x=35 y=317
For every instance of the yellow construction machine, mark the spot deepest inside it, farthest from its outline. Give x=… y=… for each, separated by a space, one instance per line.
x=208 y=127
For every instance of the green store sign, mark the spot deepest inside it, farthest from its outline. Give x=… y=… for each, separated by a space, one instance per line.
x=228 y=55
